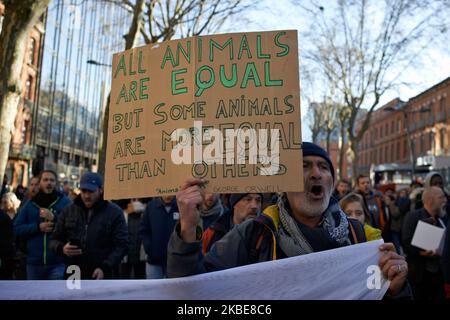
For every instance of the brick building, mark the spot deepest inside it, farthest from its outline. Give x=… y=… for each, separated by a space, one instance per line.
x=66 y=78
x=334 y=156
x=385 y=147
x=21 y=150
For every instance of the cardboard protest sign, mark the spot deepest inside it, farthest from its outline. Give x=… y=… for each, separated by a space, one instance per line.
x=225 y=108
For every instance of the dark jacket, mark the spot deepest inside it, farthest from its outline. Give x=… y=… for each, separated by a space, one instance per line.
x=446 y=261
x=101 y=231
x=6 y=247
x=134 y=250
x=26 y=225
x=416 y=263
x=217 y=230
x=396 y=217
x=156 y=227
x=377 y=211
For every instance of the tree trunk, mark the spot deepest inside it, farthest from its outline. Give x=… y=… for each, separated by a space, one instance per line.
x=103 y=137
x=20 y=17
x=314 y=137
x=341 y=147
x=328 y=140
x=353 y=155
x=136 y=24
x=130 y=40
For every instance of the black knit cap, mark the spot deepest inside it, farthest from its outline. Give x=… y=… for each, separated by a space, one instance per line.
x=236 y=197
x=311 y=149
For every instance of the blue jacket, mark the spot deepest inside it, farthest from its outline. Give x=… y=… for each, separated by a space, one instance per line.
x=156 y=227
x=27 y=225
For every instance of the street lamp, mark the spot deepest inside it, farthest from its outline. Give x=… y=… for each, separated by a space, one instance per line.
x=96 y=63
x=412 y=156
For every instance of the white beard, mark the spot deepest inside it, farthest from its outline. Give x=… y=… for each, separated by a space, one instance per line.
x=312 y=209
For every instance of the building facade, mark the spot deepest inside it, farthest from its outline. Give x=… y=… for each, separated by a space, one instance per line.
x=420 y=124
x=334 y=156
x=22 y=150
x=73 y=92
x=67 y=77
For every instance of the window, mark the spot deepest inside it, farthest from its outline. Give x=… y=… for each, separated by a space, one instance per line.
x=26 y=130
x=405 y=148
x=386 y=154
x=31 y=50
x=66 y=158
x=55 y=155
x=431 y=141
x=442 y=106
x=77 y=160
x=20 y=175
x=386 y=130
x=442 y=138
x=28 y=92
x=397 y=154
x=399 y=125
x=392 y=127
x=422 y=144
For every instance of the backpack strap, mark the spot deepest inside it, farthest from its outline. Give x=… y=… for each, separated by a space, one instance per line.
x=357 y=234
x=265 y=225
x=352 y=230
x=382 y=221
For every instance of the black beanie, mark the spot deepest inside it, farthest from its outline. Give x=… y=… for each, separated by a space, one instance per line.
x=311 y=149
x=236 y=197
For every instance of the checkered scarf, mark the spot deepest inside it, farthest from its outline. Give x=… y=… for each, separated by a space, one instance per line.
x=293 y=242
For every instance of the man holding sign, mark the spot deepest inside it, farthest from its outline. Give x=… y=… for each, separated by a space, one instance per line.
x=224 y=108
x=301 y=223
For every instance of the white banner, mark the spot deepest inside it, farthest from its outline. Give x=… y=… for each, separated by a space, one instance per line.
x=346 y=273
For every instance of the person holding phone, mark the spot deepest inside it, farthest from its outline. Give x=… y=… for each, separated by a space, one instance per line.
x=91 y=233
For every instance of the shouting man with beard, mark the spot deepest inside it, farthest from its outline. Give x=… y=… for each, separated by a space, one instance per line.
x=300 y=223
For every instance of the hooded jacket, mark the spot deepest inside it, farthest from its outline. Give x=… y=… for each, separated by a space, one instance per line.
x=26 y=225
x=101 y=231
x=429 y=176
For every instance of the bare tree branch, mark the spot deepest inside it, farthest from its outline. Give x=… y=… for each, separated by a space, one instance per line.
x=364 y=54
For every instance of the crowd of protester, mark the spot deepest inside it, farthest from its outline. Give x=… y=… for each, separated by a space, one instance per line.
x=48 y=226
